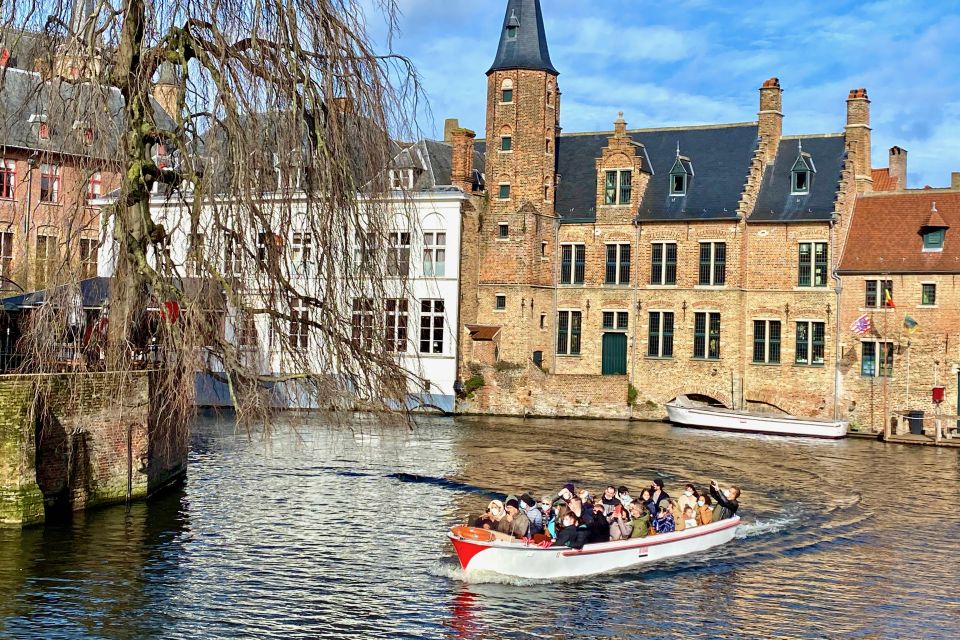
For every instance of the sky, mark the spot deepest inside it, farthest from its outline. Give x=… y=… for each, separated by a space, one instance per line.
x=687 y=62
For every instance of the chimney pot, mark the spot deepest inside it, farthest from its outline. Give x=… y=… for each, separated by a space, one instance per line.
x=448 y=127
x=898 y=166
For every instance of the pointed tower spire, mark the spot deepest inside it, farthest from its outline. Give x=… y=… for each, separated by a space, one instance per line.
x=523 y=41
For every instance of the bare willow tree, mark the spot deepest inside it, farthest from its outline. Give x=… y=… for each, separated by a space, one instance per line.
x=237 y=150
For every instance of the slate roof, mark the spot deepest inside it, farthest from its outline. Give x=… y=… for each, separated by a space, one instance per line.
x=433 y=161
x=775 y=202
x=720 y=157
x=528 y=49
x=885 y=233
x=68 y=106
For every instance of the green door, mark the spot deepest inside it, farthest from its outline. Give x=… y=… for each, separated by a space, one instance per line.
x=614 y=354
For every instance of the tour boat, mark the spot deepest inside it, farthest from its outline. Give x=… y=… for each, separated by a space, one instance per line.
x=481 y=550
x=685 y=413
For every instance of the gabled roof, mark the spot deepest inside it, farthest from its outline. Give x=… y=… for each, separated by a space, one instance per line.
x=523 y=41
x=720 y=155
x=68 y=107
x=885 y=234
x=776 y=203
x=434 y=162
x=483 y=333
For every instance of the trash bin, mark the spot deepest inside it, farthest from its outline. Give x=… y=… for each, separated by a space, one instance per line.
x=915 y=418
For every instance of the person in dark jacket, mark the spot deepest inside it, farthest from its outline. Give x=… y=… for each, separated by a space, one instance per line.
x=573 y=534
x=584 y=514
x=657 y=495
x=599 y=527
x=727 y=501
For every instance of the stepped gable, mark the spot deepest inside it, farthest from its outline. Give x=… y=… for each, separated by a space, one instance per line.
x=886 y=233
x=720 y=156
x=523 y=40
x=776 y=203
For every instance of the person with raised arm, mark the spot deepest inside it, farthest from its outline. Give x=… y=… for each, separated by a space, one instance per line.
x=727 y=501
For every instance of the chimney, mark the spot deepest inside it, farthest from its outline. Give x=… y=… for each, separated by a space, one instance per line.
x=858 y=138
x=461 y=174
x=955 y=180
x=898 y=166
x=770 y=118
x=620 y=126
x=449 y=125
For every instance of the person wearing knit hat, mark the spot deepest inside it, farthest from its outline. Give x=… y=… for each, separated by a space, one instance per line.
x=515 y=522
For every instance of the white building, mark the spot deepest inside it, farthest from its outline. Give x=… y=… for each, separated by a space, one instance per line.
x=424 y=245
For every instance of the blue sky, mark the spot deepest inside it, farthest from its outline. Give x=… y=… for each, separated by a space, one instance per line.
x=702 y=61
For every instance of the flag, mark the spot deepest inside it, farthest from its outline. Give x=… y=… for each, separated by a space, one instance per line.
x=888 y=299
x=910 y=325
x=861 y=325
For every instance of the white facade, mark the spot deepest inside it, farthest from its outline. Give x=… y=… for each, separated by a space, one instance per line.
x=429 y=220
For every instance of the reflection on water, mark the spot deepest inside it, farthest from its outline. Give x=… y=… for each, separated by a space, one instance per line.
x=339 y=534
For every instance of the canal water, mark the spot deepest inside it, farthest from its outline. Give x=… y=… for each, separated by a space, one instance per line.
x=338 y=532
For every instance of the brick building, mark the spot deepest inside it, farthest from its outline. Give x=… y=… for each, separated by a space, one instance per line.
x=677 y=261
x=900 y=270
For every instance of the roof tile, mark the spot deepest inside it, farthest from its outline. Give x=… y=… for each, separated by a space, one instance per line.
x=885 y=234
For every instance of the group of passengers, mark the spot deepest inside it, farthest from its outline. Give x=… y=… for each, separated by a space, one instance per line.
x=574 y=518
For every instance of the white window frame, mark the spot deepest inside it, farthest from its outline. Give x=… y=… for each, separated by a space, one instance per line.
x=401 y=179
x=433 y=316
x=500 y=187
x=500 y=228
x=618 y=281
x=706 y=336
x=496 y=301
x=301 y=247
x=435 y=254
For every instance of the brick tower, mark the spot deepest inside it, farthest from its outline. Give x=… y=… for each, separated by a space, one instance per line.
x=517 y=234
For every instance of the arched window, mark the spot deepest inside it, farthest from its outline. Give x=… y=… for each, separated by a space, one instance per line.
x=546 y=190
x=506 y=91
x=506 y=139
x=550 y=91
x=548 y=146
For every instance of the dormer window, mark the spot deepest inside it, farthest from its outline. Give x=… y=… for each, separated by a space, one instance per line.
x=801 y=174
x=680 y=176
x=934 y=231
x=401 y=179
x=513 y=25
x=506 y=91
x=933 y=239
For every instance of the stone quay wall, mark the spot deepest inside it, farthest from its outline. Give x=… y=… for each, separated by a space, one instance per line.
x=81 y=440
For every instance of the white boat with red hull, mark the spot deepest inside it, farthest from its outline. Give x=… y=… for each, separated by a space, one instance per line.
x=683 y=412
x=480 y=550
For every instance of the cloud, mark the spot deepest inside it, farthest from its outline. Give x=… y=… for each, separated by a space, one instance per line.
x=697 y=61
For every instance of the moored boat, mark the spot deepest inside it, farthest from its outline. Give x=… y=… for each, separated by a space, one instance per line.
x=693 y=415
x=480 y=550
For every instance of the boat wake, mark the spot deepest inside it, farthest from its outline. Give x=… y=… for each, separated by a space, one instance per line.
x=765 y=527
x=454 y=572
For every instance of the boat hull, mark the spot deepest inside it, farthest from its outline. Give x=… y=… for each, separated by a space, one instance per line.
x=726 y=420
x=527 y=561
